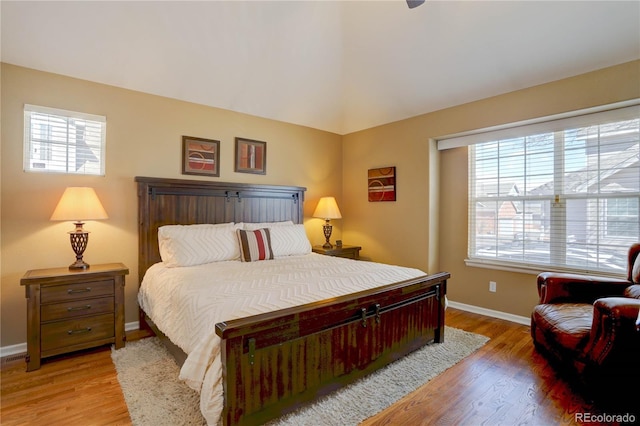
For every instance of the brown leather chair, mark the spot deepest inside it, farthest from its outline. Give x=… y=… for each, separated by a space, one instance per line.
x=586 y=326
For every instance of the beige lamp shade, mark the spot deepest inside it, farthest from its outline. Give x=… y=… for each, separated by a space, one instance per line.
x=327 y=209
x=78 y=204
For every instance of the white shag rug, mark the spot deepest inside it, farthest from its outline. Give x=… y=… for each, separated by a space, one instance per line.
x=148 y=376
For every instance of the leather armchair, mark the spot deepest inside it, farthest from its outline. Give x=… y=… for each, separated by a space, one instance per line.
x=586 y=325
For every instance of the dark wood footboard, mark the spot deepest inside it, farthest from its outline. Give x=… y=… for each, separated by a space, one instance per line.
x=273 y=363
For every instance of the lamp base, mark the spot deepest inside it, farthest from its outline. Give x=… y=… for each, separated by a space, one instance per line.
x=327 y=228
x=78 y=264
x=79 y=239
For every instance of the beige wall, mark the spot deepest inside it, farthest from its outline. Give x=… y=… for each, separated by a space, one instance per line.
x=143 y=139
x=427 y=229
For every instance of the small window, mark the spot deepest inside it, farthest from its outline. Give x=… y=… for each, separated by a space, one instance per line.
x=622 y=217
x=59 y=141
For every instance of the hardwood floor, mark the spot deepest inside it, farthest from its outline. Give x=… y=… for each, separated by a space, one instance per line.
x=505 y=382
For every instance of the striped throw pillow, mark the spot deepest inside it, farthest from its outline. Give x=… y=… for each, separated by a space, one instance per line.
x=255 y=245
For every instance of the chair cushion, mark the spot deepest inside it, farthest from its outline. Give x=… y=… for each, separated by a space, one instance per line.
x=633 y=291
x=566 y=325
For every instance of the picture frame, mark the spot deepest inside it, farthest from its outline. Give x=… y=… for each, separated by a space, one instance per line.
x=382 y=184
x=200 y=156
x=251 y=156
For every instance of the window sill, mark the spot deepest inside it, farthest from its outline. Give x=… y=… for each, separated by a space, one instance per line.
x=535 y=270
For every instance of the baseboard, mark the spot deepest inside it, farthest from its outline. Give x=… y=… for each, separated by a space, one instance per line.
x=133 y=325
x=490 y=313
x=20 y=349
x=9 y=351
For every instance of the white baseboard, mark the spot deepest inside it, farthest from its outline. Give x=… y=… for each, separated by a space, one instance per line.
x=490 y=313
x=21 y=348
x=130 y=326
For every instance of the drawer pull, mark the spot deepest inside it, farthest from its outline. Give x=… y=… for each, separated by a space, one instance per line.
x=83 y=330
x=81 y=290
x=79 y=308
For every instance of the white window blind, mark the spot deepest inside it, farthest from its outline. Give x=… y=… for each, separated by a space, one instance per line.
x=59 y=141
x=557 y=197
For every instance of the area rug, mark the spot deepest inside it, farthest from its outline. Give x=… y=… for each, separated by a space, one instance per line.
x=148 y=376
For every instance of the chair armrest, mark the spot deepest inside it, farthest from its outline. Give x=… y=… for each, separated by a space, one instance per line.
x=613 y=331
x=555 y=287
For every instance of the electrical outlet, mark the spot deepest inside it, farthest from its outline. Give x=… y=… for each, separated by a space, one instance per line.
x=492 y=286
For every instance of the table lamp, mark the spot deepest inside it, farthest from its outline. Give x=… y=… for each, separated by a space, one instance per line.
x=327 y=209
x=78 y=204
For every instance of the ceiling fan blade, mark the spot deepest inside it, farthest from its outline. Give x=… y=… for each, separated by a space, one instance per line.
x=414 y=3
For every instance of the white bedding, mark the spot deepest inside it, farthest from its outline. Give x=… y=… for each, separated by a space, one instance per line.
x=187 y=302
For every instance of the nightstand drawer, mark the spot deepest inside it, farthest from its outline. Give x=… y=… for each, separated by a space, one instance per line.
x=347 y=255
x=76 y=308
x=349 y=252
x=72 y=332
x=59 y=293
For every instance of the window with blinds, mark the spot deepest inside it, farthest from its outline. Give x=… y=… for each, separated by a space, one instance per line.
x=59 y=141
x=567 y=198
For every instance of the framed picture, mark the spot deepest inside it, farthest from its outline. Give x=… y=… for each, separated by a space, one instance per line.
x=382 y=184
x=200 y=156
x=251 y=156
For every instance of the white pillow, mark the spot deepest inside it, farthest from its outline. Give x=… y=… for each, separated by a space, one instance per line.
x=249 y=226
x=289 y=240
x=189 y=245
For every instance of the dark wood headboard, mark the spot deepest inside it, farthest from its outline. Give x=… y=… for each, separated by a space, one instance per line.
x=186 y=202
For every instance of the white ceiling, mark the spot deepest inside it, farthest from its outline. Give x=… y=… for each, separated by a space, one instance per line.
x=338 y=66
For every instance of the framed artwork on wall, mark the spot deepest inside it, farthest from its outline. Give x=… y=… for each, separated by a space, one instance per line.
x=251 y=156
x=200 y=156
x=382 y=184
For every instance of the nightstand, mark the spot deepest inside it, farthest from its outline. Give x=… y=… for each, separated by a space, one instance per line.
x=69 y=310
x=351 y=252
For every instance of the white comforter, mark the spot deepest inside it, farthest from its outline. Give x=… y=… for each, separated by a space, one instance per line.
x=186 y=303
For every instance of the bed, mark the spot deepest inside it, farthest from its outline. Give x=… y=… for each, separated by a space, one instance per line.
x=272 y=361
